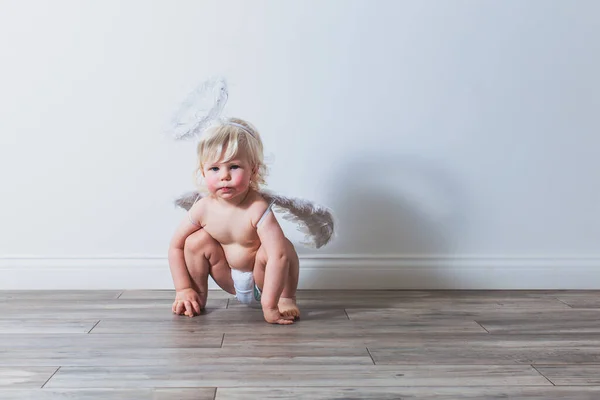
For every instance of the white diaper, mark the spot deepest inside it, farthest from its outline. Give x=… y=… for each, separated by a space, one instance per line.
x=246 y=290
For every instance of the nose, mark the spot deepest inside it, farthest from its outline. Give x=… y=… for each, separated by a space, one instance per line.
x=225 y=176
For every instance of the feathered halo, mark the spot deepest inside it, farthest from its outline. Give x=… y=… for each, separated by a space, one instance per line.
x=203 y=107
x=199 y=110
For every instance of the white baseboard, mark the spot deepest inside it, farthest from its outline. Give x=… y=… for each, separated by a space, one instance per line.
x=322 y=272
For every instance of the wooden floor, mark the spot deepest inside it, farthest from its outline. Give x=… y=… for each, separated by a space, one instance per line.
x=348 y=345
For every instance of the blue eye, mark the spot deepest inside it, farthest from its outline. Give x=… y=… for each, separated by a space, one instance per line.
x=235 y=166
x=215 y=169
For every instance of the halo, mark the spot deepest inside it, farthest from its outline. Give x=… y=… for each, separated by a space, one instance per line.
x=200 y=108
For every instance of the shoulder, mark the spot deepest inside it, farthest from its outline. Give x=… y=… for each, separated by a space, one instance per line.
x=199 y=208
x=259 y=206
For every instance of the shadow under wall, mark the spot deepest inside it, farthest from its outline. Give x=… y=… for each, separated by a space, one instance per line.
x=395 y=207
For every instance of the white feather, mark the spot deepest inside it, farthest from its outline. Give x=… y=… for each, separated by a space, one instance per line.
x=200 y=108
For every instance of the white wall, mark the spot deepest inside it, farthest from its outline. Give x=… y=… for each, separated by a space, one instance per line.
x=455 y=141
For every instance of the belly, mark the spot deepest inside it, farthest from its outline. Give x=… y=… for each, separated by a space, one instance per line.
x=239 y=257
x=239 y=245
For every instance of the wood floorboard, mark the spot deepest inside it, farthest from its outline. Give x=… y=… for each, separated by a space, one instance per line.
x=41 y=296
x=43 y=325
x=119 y=356
x=492 y=351
x=419 y=300
x=580 y=299
x=575 y=375
x=109 y=394
x=37 y=341
x=331 y=328
x=92 y=309
x=347 y=345
x=402 y=393
x=373 y=295
x=312 y=375
x=323 y=322
x=458 y=308
x=543 y=322
x=430 y=348
x=346 y=338
x=25 y=377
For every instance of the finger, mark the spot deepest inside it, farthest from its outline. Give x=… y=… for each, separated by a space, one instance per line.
x=196 y=307
x=282 y=321
x=175 y=303
x=188 y=308
x=179 y=308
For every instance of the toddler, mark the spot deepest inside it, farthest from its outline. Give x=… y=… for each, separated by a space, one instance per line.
x=231 y=233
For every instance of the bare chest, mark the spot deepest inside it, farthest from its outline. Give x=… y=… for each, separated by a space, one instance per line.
x=230 y=227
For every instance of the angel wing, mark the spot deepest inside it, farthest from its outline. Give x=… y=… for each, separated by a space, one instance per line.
x=187 y=200
x=314 y=220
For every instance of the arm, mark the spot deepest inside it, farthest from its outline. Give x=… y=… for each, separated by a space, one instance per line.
x=277 y=268
x=179 y=271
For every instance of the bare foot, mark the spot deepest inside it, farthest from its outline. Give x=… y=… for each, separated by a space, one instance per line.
x=288 y=308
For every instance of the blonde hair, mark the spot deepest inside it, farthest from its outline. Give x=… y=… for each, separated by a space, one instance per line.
x=226 y=140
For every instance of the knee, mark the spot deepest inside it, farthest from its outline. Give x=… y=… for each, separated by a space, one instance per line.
x=287 y=256
x=290 y=251
x=199 y=242
x=283 y=258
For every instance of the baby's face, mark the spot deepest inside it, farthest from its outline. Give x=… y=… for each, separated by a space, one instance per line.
x=230 y=179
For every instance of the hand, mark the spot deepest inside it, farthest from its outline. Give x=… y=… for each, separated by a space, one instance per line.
x=273 y=316
x=187 y=302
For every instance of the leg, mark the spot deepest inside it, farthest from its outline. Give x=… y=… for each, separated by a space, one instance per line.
x=204 y=256
x=287 y=301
